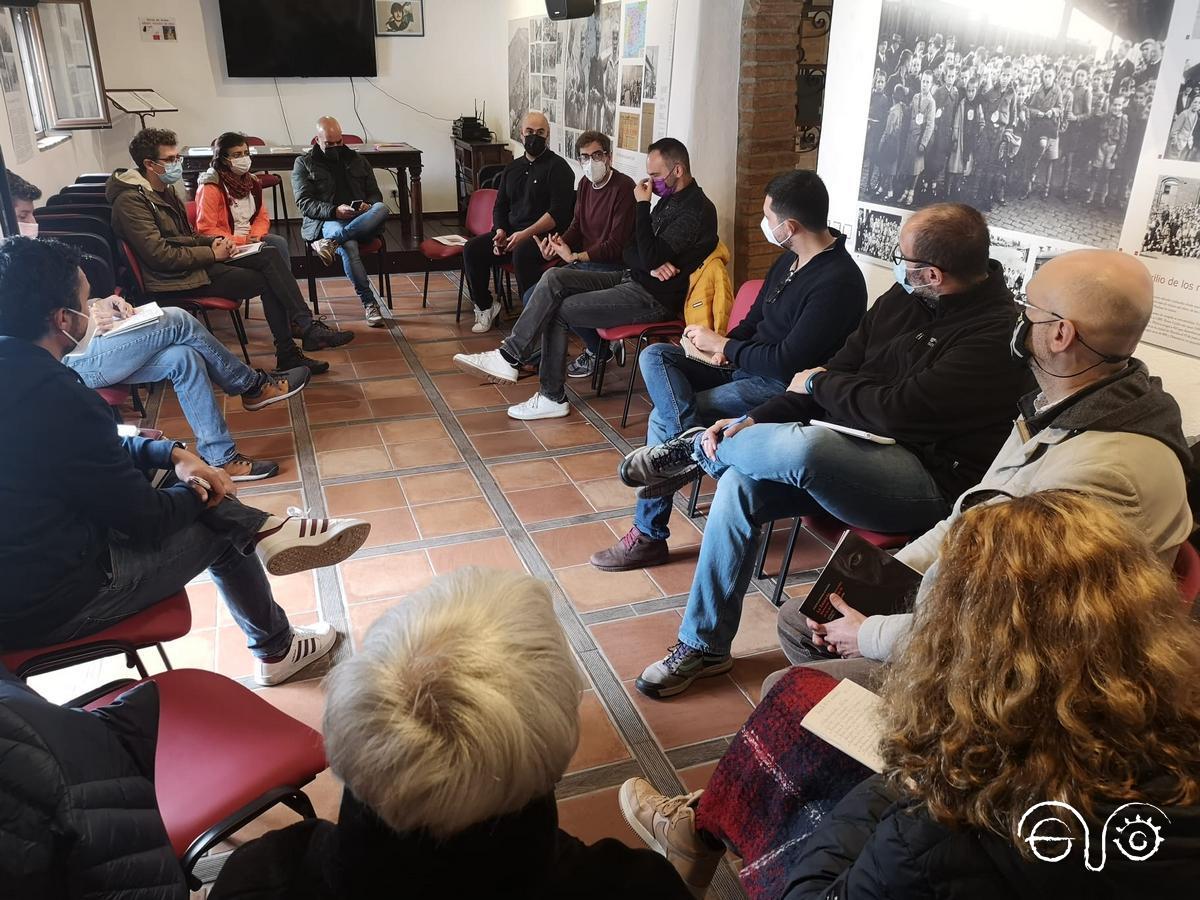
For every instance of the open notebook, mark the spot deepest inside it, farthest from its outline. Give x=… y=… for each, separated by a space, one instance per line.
x=145 y=315
x=849 y=718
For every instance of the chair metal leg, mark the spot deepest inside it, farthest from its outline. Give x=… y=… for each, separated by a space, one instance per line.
x=643 y=341
x=312 y=279
x=462 y=277
x=301 y=804
x=786 y=563
x=135 y=398
x=695 y=498
x=240 y=328
x=162 y=651
x=598 y=376
x=425 y=290
x=760 y=566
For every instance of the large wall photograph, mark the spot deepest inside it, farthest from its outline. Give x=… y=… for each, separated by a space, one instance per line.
x=1034 y=115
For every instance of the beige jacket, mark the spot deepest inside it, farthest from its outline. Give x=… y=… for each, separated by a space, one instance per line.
x=1140 y=475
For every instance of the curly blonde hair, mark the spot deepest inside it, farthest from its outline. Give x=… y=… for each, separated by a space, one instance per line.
x=1052 y=660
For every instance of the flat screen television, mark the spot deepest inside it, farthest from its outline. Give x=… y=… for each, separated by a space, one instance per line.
x=305 y=38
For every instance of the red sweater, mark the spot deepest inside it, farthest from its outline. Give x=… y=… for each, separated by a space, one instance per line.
x=603 y=221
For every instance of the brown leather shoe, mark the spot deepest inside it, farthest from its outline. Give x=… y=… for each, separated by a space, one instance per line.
x=634 y=551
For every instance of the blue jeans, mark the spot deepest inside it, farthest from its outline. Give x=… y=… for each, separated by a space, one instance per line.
x=685 y=394
x=590 y=338
x=362 y=227
x=176 y=347
x=770 y=472
x=221 y=540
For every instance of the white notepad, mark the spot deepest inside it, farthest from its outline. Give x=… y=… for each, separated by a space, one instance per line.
x=247 y=249
x=850 y=718
x=451 y=240
x=145 y=315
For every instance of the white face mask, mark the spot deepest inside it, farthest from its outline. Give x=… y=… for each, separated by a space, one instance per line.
x=28 y=229
x=769 y=232
x=596 y=171
x=241 y=165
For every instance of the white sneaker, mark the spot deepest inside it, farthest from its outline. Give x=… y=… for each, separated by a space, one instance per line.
x=491 y=365
x=485 y=318
x=309 y=643
x=539 y=407
x=299 y=543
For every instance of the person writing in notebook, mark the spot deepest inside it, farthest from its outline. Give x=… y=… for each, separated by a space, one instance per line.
x=928 y=367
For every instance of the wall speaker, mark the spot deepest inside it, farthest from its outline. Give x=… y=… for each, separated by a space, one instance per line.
x=570 y=9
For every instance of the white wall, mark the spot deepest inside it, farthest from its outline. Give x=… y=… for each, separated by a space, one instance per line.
x=852 y=39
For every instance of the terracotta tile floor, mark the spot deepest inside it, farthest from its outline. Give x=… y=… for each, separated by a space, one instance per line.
x=374 y=446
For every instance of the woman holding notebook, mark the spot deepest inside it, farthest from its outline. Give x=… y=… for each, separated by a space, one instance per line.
x=229 y=200
x=1039 y=737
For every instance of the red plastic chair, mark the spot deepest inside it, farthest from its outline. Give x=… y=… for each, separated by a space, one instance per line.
x=166 y=620
x=194 y=305
x=115 y=395
x=1187 y=570
x=479 y=221
x=643 y=333
x=224 y=757
x=346 y=139
x=744 y=302
x=274 y=182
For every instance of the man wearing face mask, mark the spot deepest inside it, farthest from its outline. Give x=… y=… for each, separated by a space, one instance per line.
x=536 y=196
x=812 y=299
x=928 y=368
x=342 y=205
x=596 y=237
x=177 y=263
x=668 y=244
x=1099 y=423
x=24 y=195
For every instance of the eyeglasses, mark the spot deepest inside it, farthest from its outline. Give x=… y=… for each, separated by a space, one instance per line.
x=1025 y=304
x=170 y=159
x=898 y=257
x=598 y=156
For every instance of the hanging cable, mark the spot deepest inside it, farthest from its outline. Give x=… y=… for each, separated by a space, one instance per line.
x=402 y=103
x=283 y=113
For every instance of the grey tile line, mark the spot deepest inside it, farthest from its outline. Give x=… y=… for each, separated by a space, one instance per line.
x=448 y=540
x=534 y=455
x=581 y=519
x=598 y=778
x=338 y=480
x=632 y=728
x=698 y=754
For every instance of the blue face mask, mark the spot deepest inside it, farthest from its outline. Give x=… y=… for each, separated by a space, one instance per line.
x=172 y=172
x=900 y=270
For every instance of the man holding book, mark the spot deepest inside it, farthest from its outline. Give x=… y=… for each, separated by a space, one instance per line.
x=1099 y=423
x=812 y=299
x=927 y=384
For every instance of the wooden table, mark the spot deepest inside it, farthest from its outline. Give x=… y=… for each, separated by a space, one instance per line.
x=402 y=159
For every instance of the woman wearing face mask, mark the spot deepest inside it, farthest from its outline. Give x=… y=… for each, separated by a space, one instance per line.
x=229 y=201
x=598 y=232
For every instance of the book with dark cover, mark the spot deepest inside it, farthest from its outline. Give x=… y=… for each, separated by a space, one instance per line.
x=870 y=580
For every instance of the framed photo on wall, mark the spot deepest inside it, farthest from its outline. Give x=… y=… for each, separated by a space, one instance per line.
x=400 y=18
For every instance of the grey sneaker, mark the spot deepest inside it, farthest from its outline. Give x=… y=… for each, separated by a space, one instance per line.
x=675 y=673
x=618 y=352
x=663 y=469
x=374 y=316
x=582 y=366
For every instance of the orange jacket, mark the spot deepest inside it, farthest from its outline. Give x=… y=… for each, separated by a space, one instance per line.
x=214 y=219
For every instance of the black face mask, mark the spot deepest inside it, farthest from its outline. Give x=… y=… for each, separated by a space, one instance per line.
x=1020 y=335
x=534 y=144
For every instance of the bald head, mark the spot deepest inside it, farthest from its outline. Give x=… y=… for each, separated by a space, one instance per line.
x=1107 y=295
x=328 y=131
x=536 y=122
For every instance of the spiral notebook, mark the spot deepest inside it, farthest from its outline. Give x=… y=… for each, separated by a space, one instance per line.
x=146 y=314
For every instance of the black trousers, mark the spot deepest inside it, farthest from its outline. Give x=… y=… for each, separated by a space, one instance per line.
x=266 y=274
x=478 y=260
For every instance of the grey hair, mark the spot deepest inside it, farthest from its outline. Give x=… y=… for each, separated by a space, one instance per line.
x=461 y=705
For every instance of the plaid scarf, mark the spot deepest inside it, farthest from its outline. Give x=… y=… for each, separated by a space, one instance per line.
x=236 y=186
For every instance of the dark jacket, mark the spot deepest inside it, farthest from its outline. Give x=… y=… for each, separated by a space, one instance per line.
x=805 y=323
x=939 y=378
x=878 y=845
x=681 y=230
x=531 y=188
x=66 y=480
x=315 y=184
x=78 y=815
x=522 y=856
x=173 y=257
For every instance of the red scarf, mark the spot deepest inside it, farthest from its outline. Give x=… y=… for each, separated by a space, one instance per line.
x=236 y=186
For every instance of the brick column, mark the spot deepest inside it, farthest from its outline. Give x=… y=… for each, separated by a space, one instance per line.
x=776 y=36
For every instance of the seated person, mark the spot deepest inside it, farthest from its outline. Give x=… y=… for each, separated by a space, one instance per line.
x=23 y=196
x=229 y=201
x=176 y=263
x=929 y=367
x=814 y=296
x=338 y=195
x=1051 y=661
x=109 y=839
x=86 y=540
x=667 y=245
x=596 y=238
x=535 y=197
x=181 y=350
x=449 y=728
x=1098 y=423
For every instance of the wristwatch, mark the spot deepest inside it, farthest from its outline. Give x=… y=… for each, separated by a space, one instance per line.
x=808 y=383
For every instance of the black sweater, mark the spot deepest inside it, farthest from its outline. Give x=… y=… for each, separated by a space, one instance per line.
x=681 y=230
x=66 y=480
x=531 y=188
x=805 y=323
x=940 y=380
